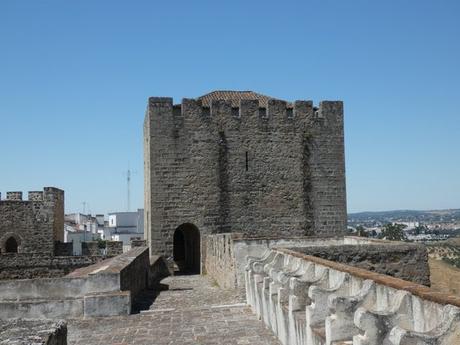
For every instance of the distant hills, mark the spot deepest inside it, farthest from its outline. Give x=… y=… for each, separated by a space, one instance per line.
x=449 y=215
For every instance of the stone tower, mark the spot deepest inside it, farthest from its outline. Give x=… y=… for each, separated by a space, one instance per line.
x=33 y=225
x=239 y=161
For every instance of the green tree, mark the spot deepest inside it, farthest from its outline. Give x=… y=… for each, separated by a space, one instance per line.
x=101 y=244
x=361 y=231
x=420 y=229
x=393 y=232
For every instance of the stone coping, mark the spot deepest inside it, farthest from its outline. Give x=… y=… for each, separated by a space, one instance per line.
x=110 y=266
x=241 y=237
x=108 y=294
x=154 y=258
x=46 y=255
x=399 y=284
x=237 y=236
x=395 y=247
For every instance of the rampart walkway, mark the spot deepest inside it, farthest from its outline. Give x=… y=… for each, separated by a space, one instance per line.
x=192 y=311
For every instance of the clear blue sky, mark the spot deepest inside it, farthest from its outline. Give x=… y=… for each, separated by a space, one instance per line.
x=75 y=77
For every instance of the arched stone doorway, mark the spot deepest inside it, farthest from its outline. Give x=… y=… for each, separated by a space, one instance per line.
x=186 y=249
x=11 y=245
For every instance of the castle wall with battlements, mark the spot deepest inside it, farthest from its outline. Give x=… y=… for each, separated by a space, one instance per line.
x=35 y=224
x=272 y=171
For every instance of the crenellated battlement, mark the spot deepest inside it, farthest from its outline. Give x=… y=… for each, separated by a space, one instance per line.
x=328 y=113
x=35 y=196
x=18 y=196
x=14 y=196
x=48 y=194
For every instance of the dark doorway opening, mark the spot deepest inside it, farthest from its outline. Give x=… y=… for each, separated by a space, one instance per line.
x=11 y=245
x=186 y=249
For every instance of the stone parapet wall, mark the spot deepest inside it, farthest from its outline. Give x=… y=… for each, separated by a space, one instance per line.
x=219 y=259
x=103 y=289
x=41 y=265
x=63 y=248
x=138 y=243
x=67 y=287
x=401 y=260
x=225 y=255
x=134 y=275
x=91 y=248
x=157 y=271
x=114 y=248
x=308 y=300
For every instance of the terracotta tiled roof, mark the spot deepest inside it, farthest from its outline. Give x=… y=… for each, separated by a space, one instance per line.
x=234 y=97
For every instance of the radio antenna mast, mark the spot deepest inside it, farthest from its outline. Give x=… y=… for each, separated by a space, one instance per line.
x=129 y=172
x=128 y=181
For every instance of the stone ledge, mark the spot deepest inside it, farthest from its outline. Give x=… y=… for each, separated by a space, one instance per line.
x=107 y=304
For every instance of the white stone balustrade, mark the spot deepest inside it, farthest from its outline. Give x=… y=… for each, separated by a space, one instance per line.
x=339 y=325
x=312 y=301
x=446 y=331
x=316 y=313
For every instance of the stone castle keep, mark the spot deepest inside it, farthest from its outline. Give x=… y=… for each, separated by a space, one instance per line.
x=239 y=161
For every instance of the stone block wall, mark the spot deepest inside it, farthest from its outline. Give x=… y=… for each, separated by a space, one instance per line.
x=63 y=248
x=34 y=224
x=265 y=171
x=138 y=243
x=135 y=275
x=91 y=248
x=45 y=265
x=41 y=265
x=114 y=248
x=219 y=260
x=54 y=198
x=158 y=270
x=226 y=255
x=399 y=260
x=326 y=162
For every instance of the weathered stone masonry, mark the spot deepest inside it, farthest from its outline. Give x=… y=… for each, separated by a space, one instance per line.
x=226 y=255
x=35 y=224
x=260 y=166
x=41 y=265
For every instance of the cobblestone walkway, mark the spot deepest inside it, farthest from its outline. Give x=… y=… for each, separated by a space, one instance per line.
x=192 y=311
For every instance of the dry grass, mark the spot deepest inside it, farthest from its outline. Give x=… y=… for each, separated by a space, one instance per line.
x=454 y=241
x=444 y=277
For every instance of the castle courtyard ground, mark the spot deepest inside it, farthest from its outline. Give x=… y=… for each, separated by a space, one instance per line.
x=193 y=310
